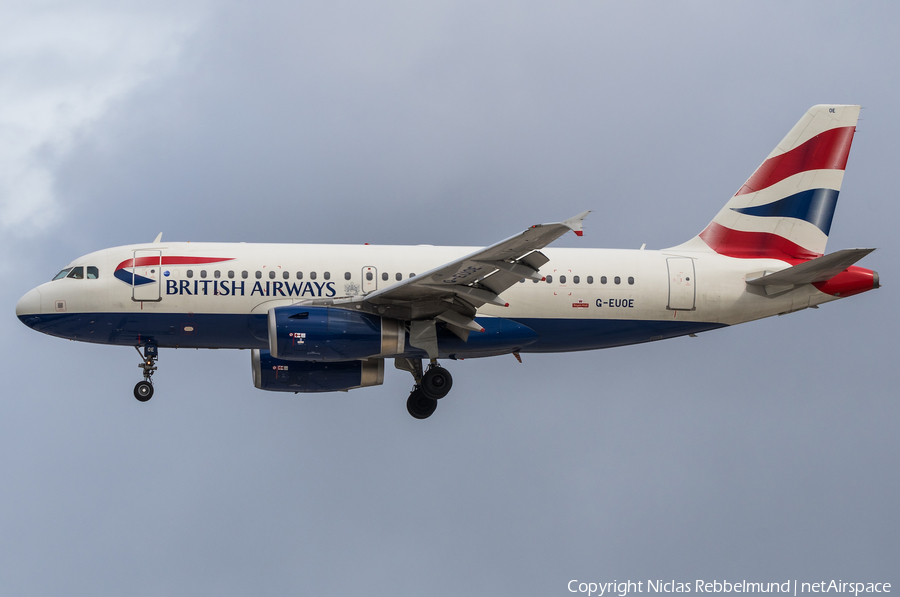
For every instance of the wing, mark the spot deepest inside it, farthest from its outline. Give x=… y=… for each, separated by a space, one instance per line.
x=453 y=292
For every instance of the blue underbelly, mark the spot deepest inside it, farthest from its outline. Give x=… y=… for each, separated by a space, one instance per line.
x=203 y=330
x=166 y=330
x=563 y=335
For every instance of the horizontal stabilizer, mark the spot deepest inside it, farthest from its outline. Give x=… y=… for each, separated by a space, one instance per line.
x=815 y=270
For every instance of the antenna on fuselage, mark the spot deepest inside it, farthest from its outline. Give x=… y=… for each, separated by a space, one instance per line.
x=158 y=239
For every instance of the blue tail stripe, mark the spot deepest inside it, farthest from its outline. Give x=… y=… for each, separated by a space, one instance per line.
x=815 y=206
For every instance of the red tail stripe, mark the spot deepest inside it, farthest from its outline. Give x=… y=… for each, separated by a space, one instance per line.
x=753 y=245
x=825 y=151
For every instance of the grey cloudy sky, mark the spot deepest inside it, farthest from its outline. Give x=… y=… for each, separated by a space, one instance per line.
x=764 y=452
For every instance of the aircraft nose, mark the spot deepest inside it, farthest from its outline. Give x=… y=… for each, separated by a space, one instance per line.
x=30 y=304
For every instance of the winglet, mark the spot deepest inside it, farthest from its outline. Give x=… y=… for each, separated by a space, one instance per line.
x=576 y=222
x=158 y=239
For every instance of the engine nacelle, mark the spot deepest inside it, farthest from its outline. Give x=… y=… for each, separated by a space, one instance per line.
x=277 y=375
x=328 y=334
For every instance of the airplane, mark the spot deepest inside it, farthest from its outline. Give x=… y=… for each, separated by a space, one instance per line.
x=323 y=318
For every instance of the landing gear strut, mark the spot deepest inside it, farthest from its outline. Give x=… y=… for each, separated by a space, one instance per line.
x=431 y=386
x=143 y=390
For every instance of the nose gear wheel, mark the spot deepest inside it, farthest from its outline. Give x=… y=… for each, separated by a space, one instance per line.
x=143 y=391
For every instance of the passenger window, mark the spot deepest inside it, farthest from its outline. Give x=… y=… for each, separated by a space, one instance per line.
x=312 y=275
x=590 y=279
x=603 y=279
x=384 y=276
x=271 y=274
x=618 y=280
x=562 y=279
x=299 y=275
x=62 y=274
x=258 y=274
x=630 y=280
x=190 y=273
x=92 y=272
x=522 y=281
x=217 y=274
x=549 y=279
x=399 y=276
x=576 y=279
x=244 y=274
x=535 y=280
x=412 y=275
x=286 y=275
x=77 y=273
x=202 y=274
x=231 y=274
x=327 y=275
x=346 y=275
x=369 y=276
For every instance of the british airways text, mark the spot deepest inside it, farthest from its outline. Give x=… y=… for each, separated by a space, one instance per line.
x=232 y=288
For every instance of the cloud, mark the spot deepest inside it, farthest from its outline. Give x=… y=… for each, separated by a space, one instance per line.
x=61 y=69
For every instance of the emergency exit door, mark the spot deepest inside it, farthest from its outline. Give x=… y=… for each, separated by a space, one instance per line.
x=147 y=275
x=682 y=286
x=369 y=279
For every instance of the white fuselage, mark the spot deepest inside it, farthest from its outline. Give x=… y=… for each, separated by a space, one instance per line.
x=582 y=285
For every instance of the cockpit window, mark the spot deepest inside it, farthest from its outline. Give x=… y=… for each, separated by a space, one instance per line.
x=62 y=274
x=92 y=272
x=77 y=273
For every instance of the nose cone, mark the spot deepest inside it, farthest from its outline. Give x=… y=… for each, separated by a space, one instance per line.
x=28 y=305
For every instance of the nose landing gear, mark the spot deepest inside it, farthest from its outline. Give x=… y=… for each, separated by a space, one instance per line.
x=143 y=390
x=431 y=386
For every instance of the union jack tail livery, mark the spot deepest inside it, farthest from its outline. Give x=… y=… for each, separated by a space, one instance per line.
x=785 y=208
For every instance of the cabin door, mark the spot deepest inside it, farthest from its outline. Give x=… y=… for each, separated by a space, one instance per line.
x=146 y=282
x=682 y=286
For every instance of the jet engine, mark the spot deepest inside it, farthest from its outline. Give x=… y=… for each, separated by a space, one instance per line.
x=328 y=334
x=277 y=375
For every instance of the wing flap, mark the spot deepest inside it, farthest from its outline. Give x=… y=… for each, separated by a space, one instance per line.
x=460 y=321
x=535 y=260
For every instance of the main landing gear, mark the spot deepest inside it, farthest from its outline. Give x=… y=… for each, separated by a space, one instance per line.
x=143 y=390
x=431 y=386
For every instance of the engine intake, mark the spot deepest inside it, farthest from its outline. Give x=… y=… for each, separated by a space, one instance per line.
x=276 y=375
x=328 y=334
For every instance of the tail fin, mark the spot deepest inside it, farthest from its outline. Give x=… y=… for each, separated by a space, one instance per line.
x=785 y=208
